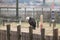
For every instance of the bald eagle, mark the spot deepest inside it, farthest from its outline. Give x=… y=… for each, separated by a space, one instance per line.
x=32 y=22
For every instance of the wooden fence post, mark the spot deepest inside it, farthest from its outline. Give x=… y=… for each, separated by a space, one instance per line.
x=30 y=33
x=8 y=32
x=3 y=22
x=55 y=34
x=19 y=32
x=42 y=34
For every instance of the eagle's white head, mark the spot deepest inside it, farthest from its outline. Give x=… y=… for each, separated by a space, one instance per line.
x=27 y=18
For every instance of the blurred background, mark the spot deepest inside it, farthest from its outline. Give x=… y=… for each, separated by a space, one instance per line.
x=31 y=8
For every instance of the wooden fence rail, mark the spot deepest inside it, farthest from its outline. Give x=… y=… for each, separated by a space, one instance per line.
x=19 y=32
x=29 y=36
x=8 y=32
x=55 y=34
x=31 y=33
x=42 y=34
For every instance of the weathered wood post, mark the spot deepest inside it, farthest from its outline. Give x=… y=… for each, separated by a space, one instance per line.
x=17 y=9
x=3 y=23
x=41 y=21
x=30 y=33
x=37 y=23
x=55 y=34
x=19 y=32
x=54 y=25
x=8 y=32
x=42 y=34
x=50 y=18
x=25 y=12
